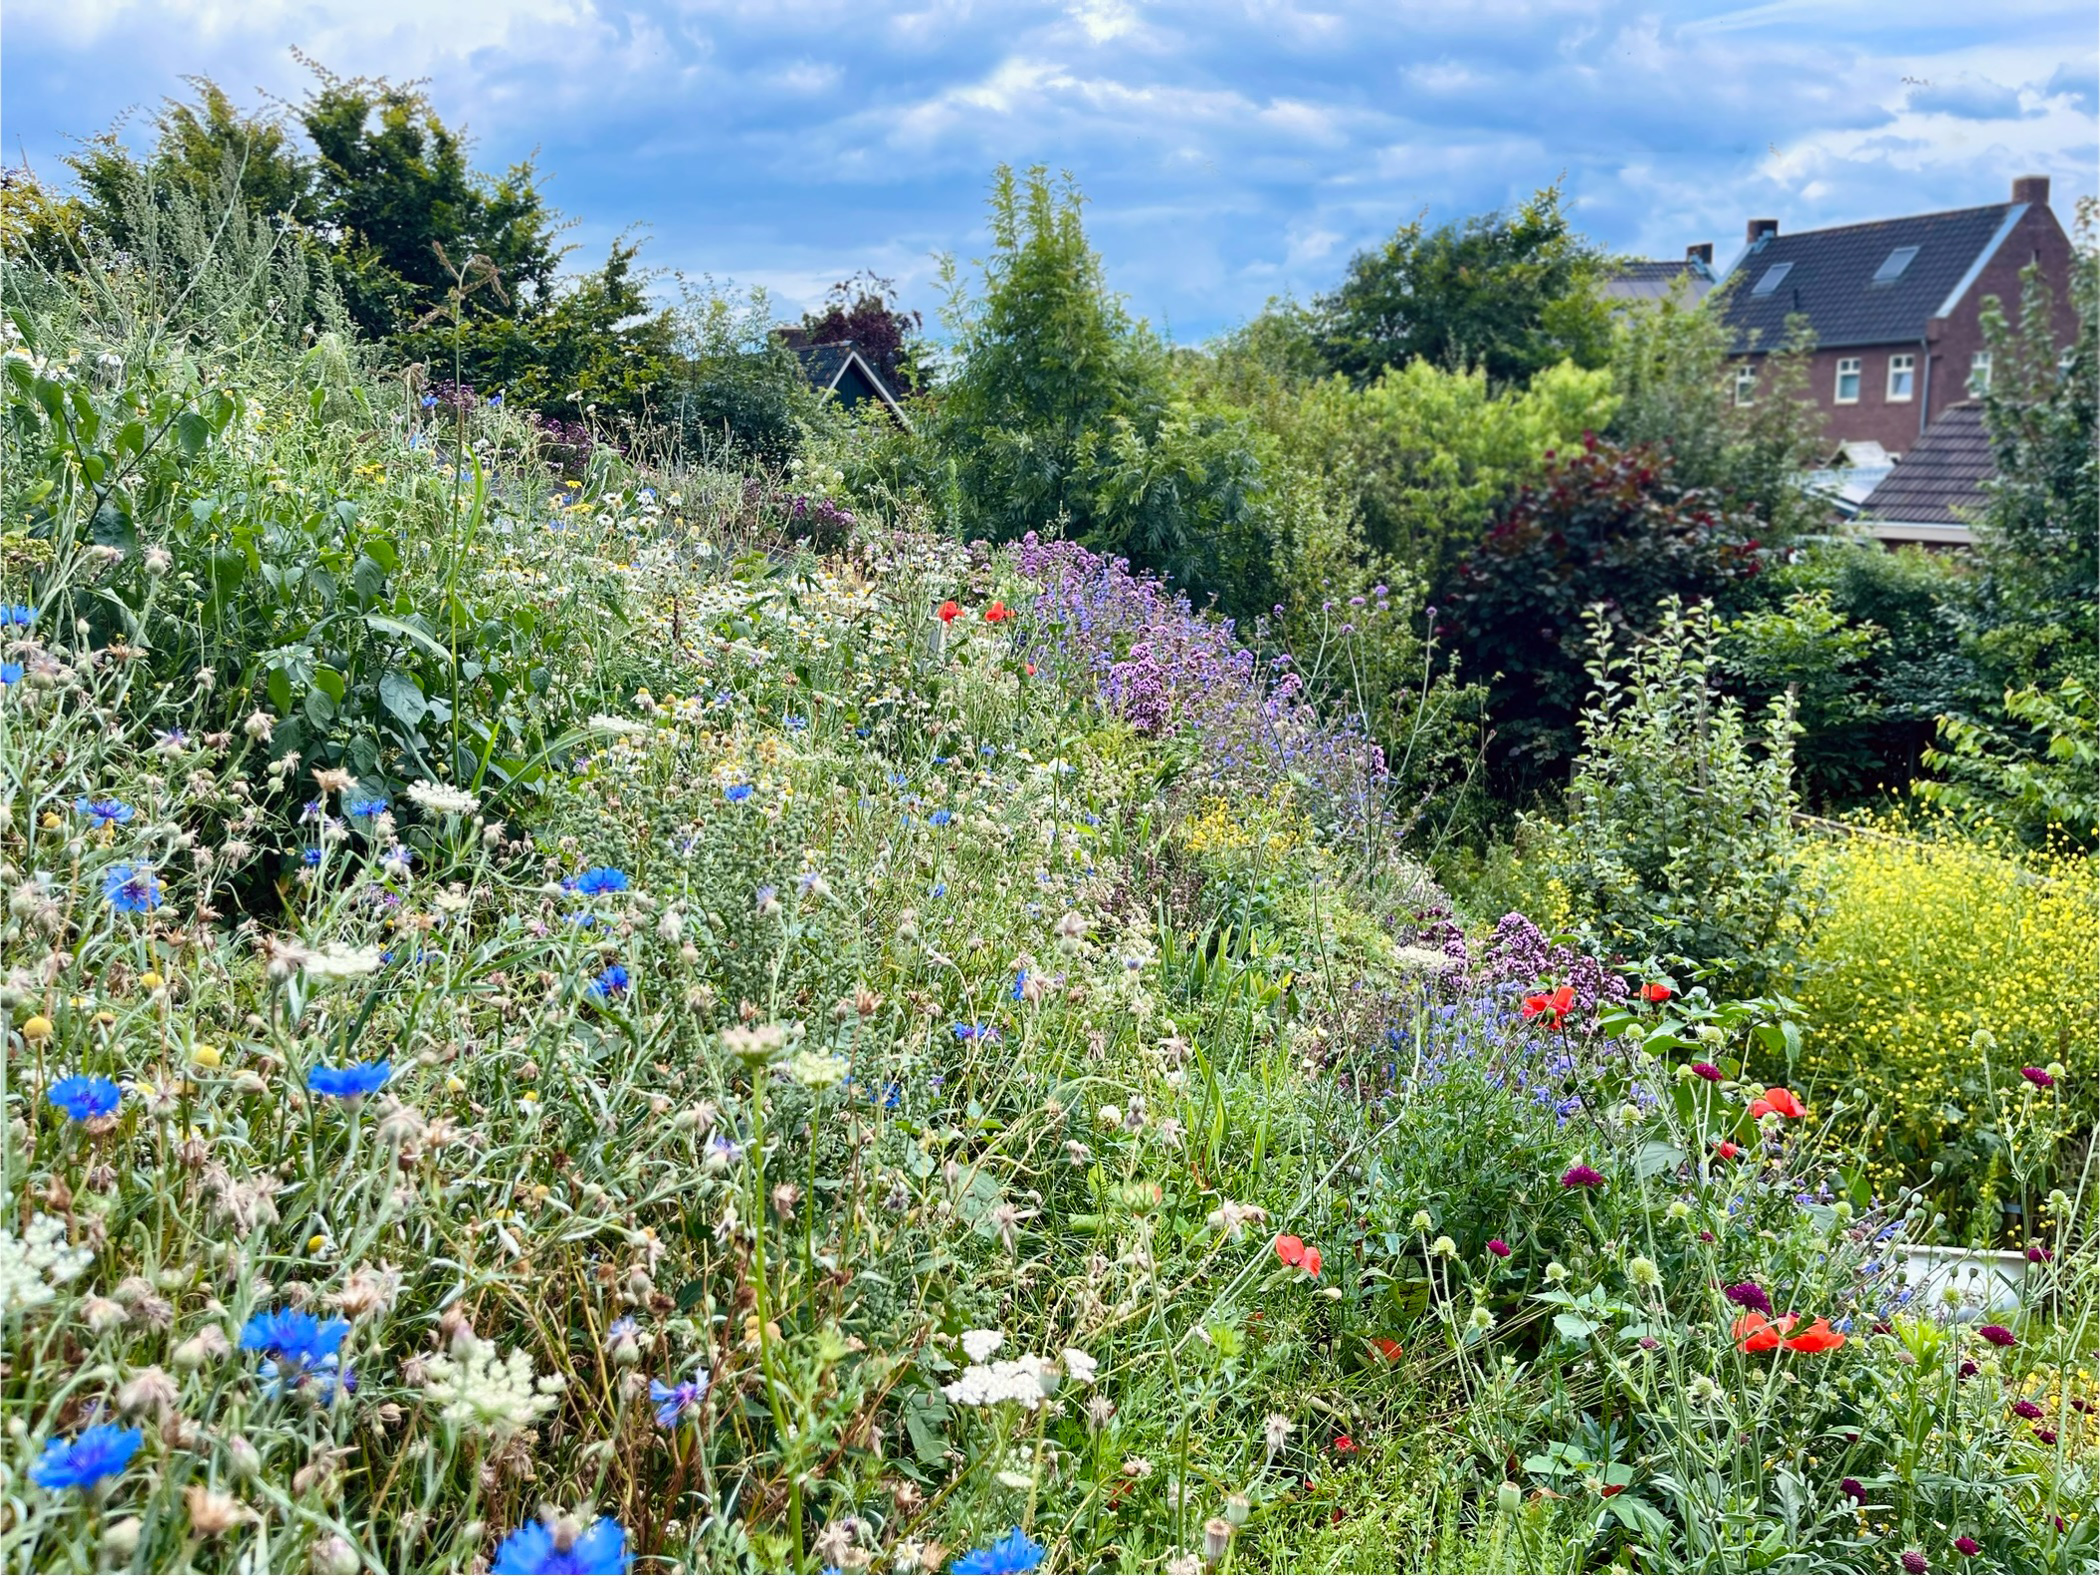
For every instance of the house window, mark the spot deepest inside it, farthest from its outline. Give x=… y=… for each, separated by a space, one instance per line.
x=1893 y=265
x=1773 y=278
x=1848 y=380
x=1745 y=385
x=1980 y=372
x=1902 y=378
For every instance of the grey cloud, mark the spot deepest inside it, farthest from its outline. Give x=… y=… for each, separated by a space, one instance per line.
x=1967 y=98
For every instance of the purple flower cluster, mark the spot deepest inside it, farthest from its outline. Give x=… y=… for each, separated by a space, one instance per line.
x=1518 y=953
x=1155 y=661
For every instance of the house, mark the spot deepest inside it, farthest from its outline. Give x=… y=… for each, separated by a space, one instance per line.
x=1895 y=307
x=1935 y=496
x=1634 y=280
x=841 y=371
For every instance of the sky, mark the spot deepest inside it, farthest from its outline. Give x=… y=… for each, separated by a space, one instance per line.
x=1230 y=152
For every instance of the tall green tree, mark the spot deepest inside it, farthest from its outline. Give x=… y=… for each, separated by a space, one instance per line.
x=1510 y=292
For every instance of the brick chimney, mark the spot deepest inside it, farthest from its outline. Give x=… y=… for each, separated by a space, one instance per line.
x=2031 y=188
x=1700 y=252
x=1757 y=229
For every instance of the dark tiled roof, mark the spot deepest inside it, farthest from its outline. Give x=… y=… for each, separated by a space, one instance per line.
x=1641 y=279
x=1940 y=482
x=821 y=364
x=1831 y=277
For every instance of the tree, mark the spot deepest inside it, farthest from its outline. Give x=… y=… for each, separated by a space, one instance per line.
x=1061 y=416
x=1512 y=293
x=395 y=198
x=1606 y=527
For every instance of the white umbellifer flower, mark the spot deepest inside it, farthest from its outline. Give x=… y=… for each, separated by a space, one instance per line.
x=1080 y=1365
x=601 y=723
x=980 y=1344
x=1424 y=960
x=442 y=799
x=338 y=962
x=988 y=1384
x=482 y=1392
x=34 y=1265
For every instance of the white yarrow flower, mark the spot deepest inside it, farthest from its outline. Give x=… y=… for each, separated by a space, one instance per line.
x=442 y=798
x=980 y=1344
x=480 y=1391
x=34 y=1265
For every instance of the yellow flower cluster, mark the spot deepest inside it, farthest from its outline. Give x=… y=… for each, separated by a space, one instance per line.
x=1223 y=825
x=1938 y=953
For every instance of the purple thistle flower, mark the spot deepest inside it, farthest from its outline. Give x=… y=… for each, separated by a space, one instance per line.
x=1748 y=1294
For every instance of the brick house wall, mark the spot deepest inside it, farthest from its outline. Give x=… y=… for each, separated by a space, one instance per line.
x=1941 y=352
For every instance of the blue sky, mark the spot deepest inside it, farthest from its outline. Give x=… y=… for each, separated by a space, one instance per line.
x=1230 y=152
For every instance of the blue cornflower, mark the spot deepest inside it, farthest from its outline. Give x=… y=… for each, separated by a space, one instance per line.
x=613 y=982
x=325 y=1375
x=1019 y=990
x=796 y=724
x=941 y=817
x=84 y=1097
x=311 y=857
x=85 y=1460
x=940 y=889
x=10 y=672
x=104 y=812
x=673 y=1400
x=737 y=793
x=131 y=888
x=975 y=1031
x=16 y=613
x=496 y=401
x=1014 y=1553
x=598 y=879
x=293 y=1338
x=366 y=809
x=429 y=401
x=536 y=1549
x=349 y=1083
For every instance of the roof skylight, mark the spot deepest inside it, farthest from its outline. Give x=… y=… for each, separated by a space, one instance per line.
x=1893 y=265
x=1772 y=279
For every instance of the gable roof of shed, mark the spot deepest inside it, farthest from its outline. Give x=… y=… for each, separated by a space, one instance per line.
x=1830 y=277
x=1940 y=482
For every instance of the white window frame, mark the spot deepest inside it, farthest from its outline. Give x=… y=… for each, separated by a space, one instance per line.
x=1980 y=372
x=1907 y=367
x=1745 y=385
x=1848 y=367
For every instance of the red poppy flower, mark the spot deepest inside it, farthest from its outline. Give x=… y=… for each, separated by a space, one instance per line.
x=1312 y=1262
x=1610 y=1489
x=1726 y=1150
x=1291 y=1250
x=1344 y=1445
x=1755 y=1333
x=1387 y=1348
x=1552 y=1006
x=998 y=613
x=1031 y=669
x=949 y=611
x=1781 y=1099
x=1818 y=1337
x=1656 y=991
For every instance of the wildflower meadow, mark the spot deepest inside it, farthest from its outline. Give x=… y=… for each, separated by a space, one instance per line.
x=574 y=1009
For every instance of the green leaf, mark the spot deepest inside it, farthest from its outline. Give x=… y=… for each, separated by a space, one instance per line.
x=403 y=696
x=1574 y=1327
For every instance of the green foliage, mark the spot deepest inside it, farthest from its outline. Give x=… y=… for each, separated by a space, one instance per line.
x=1510 y=293
x=1604 y=526
x=1060 y=416
x=733 y=387
x=1672 y=370
x=1426 y=456
x=1807 y=649
x=2036 y=796
x=1678 y=836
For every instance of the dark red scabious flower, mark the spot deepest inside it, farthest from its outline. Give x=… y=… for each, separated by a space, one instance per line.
x=1706 y=1236
x=2039 y=1078
x=2046 y=1435
x=1581 y=1176
x=1852 y=1488
x=1914 y=1562
x=1708 y=1071
x=1967 y=1370
x=1967 y=1547
x=2028 y=1410
x=1748 y=1294
x=2039 y=1254
x=1498 y=1247
x=1998 y=1335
